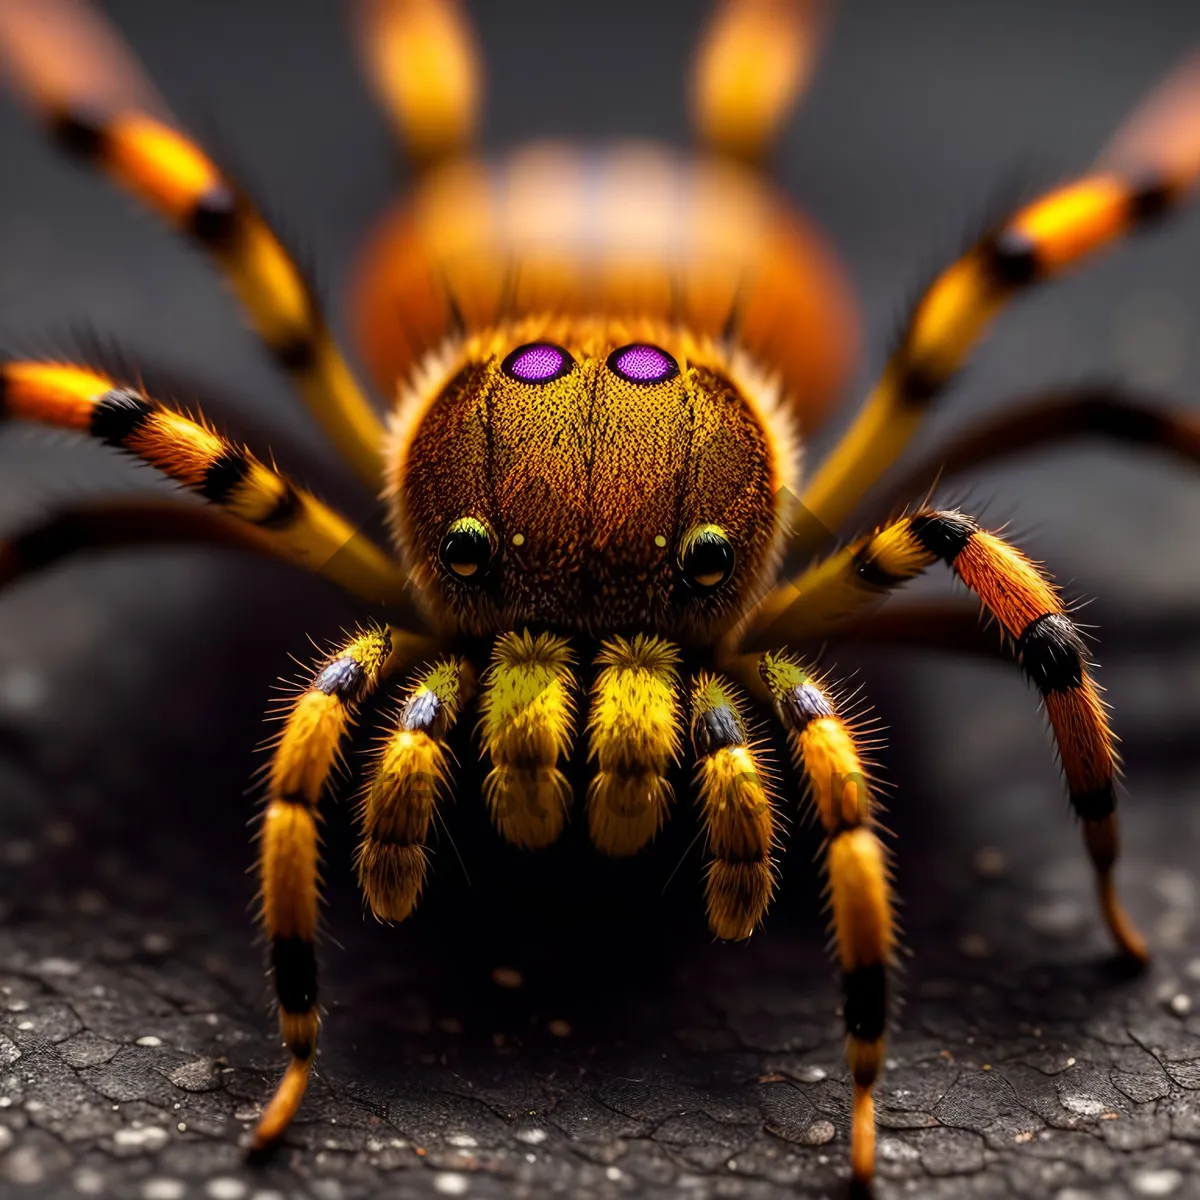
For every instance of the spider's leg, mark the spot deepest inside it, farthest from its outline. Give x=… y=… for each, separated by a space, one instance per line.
x=634 y=735
x=306 y=753
x=300 y=526
x=422 y=60
x=1152 y=169
x=96 y=102
x=737 y=810
x=1030 y=611
x=825 y=748
x=752 y=63
x=70 y=529
x=527 y=720
x=1051 y=418
x=402 y=794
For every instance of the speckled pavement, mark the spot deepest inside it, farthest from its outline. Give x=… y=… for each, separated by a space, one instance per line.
x=556 y=1025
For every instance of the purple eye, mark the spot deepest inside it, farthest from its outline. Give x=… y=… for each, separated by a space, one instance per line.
x=537 y=362
x=642 y=364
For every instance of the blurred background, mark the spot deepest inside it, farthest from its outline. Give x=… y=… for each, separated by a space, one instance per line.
x=632 y=1057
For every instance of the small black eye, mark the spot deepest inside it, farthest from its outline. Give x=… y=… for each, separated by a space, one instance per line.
x=538 y=362
x=706 y=558
x=467 y=549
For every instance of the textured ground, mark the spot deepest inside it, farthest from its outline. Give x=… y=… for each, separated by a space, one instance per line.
x=554 y=1024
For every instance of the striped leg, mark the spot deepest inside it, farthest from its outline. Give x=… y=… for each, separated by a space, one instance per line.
x=634 y=726
x=99 y=106
x=422 y=59
x=1150 y=169
x=825 y=748
x=1031 y=613
x=737 y=810
x=403 y=792
x=753 y=62
x=305 y=755
x=527 y=718
x=285 y=516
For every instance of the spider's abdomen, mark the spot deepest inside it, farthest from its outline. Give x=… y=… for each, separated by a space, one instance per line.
x=635 y=231
x=593 y=476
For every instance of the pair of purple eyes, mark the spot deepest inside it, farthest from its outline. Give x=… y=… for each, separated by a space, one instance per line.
x=541 y=362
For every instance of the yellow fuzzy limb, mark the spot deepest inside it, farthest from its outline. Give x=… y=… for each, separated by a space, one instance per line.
x=634 y=727
x=859 y=892
x=78 y=75
x=291 y=519
x=421 y=57
x=403 y=792
x=527 y=718
x=1151 y=168
x=737 y=811
x=288 y=849
x=751 y=66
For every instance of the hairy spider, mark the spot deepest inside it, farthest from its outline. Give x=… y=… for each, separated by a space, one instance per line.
x=602 y=369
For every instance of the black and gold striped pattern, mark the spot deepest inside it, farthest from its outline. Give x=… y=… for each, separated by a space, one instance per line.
x=71 y=65
x=826 y=748
x=401 y=798
x=1030 y=611
x=737 y=808
x=1155 y=171
x=188 y=451
x=305 y=755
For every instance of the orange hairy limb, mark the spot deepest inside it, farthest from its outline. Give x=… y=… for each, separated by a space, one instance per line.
x=97 y=103
x=737 y=809
x=828 y=751
x=1151 y=167
x=305 y=755
x=288 y=517
x=401 y=797
x=1031 y=613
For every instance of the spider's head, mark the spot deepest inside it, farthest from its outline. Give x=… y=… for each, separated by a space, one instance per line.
x=588 y=476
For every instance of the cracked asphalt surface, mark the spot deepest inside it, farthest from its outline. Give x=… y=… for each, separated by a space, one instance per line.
x=553 y=1024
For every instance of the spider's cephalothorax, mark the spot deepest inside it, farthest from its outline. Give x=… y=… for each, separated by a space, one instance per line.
x=590 y=476
x=601 y=366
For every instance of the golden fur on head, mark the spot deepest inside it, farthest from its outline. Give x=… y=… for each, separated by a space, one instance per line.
x=589 y=483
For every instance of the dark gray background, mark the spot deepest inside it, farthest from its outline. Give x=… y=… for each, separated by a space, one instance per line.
x=131 y=690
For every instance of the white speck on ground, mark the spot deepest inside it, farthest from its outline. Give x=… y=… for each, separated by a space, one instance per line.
x=464 y=1141
x=1157 y=1183
x=88 y=1181
x=811 y=1074
x=533 y=1136
x=1082 y=1105
x=451 y=1183
x=161 y=1188
x=149 y=1040
x=225 y=1187
x=149 y=1137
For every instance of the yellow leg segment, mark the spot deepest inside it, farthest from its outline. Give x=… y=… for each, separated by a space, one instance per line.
x=737 y=810
x=1031 y=613
x=403 y=792
x=752 y=64
x=76 y=72
x=634 y=727
x=527 y=719
x=422 y=59
x=188 y=451
x=825 y=747
x=1155 y=168
x=305 y=755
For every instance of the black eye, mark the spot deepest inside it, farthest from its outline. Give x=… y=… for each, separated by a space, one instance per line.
x=467 y=549
x=537 y=362
x=706 y=558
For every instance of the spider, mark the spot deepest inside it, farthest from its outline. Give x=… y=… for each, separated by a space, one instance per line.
x=602 y=368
